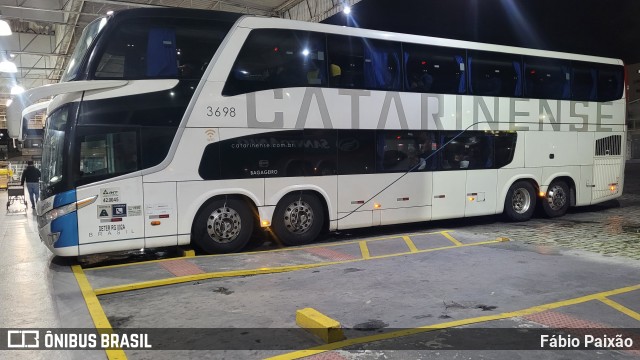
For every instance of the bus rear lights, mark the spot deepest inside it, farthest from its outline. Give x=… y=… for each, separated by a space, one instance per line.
x=265 y=223
x=377 y=206
x=471 y=198
x=155 y=223
x=613 y=187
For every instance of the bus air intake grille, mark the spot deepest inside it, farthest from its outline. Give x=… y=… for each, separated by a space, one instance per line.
x=610 y=145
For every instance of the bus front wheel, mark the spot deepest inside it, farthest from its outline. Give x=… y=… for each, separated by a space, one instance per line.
x=298 y=219
x=556 y=201
x=520 y=202
x=223 y=226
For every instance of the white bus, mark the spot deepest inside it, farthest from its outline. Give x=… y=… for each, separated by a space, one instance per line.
x=174 y=127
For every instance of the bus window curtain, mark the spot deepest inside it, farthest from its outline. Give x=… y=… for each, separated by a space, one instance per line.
x=469 y=61
x=517 y=68
x=407 y=84
x=462 y=83
x=161 y=53
x=377 y=74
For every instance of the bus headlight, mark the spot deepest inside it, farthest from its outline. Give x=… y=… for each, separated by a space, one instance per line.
x=53 y=214
x=57 y=212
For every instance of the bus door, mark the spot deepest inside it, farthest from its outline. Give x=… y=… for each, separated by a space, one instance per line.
x=406 y=196
x=357 y=181
x=114 y=221
x=449 y=183
x=480 y=159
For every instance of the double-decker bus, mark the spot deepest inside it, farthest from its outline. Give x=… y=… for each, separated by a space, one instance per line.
x=172 y=127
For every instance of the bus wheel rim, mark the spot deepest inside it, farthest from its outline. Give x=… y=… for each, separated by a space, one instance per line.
x=298 y=217
x=557 y=197
x=223 y=225
x=521 y=200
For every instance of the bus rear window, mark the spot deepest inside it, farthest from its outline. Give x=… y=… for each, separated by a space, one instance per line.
x=160 y=48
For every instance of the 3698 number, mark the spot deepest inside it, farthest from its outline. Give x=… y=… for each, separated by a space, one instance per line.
x=221 y=111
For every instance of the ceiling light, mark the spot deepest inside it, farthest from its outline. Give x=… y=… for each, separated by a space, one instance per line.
x=16 y=90
x=347 y=10
x=9 y=101
x=5 y=29
x=110 y=12
x=8 y=67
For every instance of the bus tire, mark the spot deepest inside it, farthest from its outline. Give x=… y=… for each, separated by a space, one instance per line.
x=556 y=201
x=223 y=226
x=520 y=202
x=298 y=219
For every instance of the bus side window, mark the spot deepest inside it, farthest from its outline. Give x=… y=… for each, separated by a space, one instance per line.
x=277 y=58
x=584 y=82
x=401 y=150
x=494 y=74
x=161 y=53
x=160 y=48
x=546 y=78
x=381 y=65
x=356 y=152
x=610 y=82
x=433 y=69
x=347 y=54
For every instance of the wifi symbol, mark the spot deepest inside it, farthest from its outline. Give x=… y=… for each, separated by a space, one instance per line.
x=210 y=134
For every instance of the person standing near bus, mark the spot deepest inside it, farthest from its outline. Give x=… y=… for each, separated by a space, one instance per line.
x=31 y=175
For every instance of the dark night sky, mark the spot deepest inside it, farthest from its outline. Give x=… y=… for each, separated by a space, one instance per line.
x=594 y=27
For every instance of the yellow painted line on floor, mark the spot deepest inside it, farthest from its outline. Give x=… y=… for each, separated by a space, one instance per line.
x=450 y=324
x=262 y=271
x=296 y=248
x=451 y=238
x=213 y=275
x=410 y=244
x=98 y=316
x=435 y=249
x=623 y=309
x=364 y=249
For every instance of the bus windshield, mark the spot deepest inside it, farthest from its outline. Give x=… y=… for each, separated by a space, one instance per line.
x=53 y=149
x=88 y=36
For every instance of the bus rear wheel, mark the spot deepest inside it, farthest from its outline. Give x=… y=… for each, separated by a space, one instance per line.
x=520 y=202
x=223 y=226
x=556 y=201
x=298 y=219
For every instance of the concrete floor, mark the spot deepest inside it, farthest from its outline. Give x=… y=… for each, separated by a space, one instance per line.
x=548 y=261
